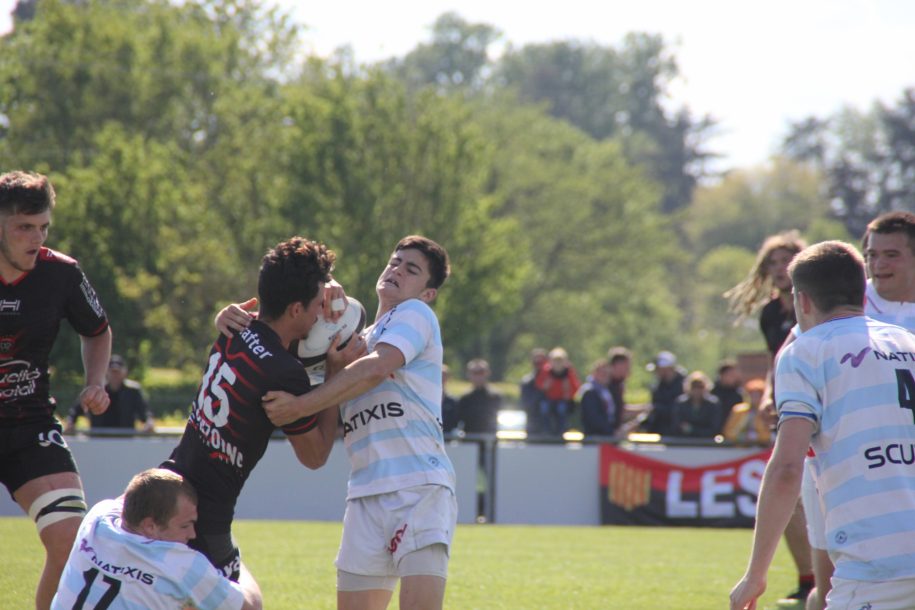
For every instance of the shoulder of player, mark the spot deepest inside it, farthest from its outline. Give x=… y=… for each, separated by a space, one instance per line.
x=131 y=384
x=47 y=255
x=415 y=309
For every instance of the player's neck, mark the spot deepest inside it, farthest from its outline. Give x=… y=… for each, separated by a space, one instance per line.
x=8 y=272
x=840 y=313
x=283 y=330
x=900 y=296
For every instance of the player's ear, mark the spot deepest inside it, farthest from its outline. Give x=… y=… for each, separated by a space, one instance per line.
x=295 y=308
x=805 y=301
x=149 y=528
x=428 y=295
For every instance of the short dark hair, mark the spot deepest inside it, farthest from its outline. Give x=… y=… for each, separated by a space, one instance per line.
x=291 y=272
x=25 y=193
x=892 y=222
x=154 y=493
x=618 y=354
x=831 y=273
x=436 y=256
x=726 y=365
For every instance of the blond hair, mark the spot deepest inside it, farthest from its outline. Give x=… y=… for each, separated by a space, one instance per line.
x=757 y=288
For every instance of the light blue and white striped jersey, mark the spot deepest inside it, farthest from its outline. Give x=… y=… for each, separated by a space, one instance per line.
x=854 y=378
x=900 y=313
x=393 y=432
x=112 y=568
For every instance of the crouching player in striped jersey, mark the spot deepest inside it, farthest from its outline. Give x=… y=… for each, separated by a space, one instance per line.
x=132 y=553
x=846 y=386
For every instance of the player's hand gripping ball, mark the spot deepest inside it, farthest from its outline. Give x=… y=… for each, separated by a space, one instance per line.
x=312 y=350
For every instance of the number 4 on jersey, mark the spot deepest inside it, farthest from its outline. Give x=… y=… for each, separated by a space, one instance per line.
x=906 y=384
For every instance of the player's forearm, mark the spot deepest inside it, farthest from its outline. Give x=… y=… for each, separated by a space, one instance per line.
x=354 y=380
x=778 y=497
x=96 y=351
x=250 y=589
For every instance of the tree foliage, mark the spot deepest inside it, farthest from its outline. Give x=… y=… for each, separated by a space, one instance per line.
x=185 y=139
x=868 y=159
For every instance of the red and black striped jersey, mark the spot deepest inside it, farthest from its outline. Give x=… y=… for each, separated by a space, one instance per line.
x=31 y=309
x=228 y=430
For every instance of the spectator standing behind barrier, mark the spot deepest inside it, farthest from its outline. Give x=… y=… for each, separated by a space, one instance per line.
x=559 y=383
x=620 y=360
x=747 y=423
x=478 y=410
x=697 y=413
x=531 y=396
x=146 y=532
x=598 y=409
x=450 y=415
x=667 y=388
x=128 y=403
x=727 y=387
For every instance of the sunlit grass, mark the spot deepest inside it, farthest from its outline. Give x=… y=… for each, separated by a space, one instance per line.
x=492 y=567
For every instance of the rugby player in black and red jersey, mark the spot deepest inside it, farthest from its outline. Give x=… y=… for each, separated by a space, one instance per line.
x=228 y=430
x=38 y=288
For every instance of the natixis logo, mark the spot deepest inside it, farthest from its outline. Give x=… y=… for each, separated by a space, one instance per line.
x=856 y=359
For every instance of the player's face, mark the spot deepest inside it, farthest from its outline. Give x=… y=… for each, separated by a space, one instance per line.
x=777 y=268
x=180 y=527
x=312 y=311
x=891 y=265
x=21 y=236
x=406 y=276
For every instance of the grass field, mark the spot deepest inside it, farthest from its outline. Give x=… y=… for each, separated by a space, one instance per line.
x=492 y=567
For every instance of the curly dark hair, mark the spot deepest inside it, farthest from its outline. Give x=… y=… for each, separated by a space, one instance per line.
x=291 y=272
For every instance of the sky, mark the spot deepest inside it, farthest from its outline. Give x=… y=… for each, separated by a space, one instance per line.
x=752 y=66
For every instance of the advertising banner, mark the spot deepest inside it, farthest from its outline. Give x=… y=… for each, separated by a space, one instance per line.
x=637 y=490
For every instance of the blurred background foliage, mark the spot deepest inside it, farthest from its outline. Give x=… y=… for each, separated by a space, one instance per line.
x=575 y=199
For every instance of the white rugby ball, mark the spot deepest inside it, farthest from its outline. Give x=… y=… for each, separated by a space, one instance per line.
x=313 y=348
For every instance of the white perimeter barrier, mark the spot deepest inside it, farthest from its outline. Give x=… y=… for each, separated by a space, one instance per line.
x=278 y=488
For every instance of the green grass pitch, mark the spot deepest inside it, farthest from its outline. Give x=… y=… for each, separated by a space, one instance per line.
x=492 y=567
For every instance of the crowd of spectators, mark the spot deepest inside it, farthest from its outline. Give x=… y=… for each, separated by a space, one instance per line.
x=554 y=399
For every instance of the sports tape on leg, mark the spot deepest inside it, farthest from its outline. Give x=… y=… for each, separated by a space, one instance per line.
x=57 y=505
x=337 y=305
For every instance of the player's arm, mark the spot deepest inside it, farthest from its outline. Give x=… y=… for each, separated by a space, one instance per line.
x=781 y=485
x=313 y=448
x=767 y=402
x=250 y=589
x=354 y=380
x=237 y=316
x=96 y=352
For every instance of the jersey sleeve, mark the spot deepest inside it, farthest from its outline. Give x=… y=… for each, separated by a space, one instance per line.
x=204 y=586
x=295 y=382
x=83 y=309
x=410 y=329
x=796 y=385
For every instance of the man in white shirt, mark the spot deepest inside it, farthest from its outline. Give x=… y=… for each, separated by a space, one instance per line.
x=132 y=552
x=889 y=252
x=846 y=386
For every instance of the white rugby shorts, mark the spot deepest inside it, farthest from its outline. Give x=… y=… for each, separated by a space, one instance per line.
x=871 y=595
x=379 y=530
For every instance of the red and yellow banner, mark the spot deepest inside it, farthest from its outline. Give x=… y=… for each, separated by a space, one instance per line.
x=637 y=490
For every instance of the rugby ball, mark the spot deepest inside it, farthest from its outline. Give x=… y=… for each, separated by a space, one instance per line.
x=312 y=350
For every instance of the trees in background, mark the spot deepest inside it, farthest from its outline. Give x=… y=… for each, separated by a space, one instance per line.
x=867 y=159
x=184 y=140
